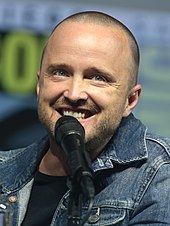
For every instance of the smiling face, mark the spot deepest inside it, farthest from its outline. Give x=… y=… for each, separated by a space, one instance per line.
x=85 y=73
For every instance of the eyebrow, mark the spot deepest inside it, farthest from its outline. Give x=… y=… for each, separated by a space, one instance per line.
x=52 y=67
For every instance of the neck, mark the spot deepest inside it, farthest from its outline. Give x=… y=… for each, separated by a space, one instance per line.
x=54 y=164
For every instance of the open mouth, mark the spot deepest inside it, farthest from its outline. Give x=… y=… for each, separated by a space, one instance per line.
x=79 y=114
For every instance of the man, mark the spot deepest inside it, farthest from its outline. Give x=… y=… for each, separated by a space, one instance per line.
x=89 y=71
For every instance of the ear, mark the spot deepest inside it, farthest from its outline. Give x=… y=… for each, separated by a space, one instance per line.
x=132 y=99
x=38 y=83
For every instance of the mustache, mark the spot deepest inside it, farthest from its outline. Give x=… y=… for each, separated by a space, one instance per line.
x=86 y=104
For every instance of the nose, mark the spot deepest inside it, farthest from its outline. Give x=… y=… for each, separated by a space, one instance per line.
x=76 y=90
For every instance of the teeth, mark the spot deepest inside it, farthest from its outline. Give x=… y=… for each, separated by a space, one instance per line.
x=74 y=114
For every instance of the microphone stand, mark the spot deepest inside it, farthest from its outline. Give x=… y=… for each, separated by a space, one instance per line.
x=78 y=190
x=75 y=203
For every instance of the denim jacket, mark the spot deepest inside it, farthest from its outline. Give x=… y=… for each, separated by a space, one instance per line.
x=132 y=178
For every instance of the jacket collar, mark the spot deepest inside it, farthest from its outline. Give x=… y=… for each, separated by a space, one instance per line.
x=126 y=146
x=19 y=165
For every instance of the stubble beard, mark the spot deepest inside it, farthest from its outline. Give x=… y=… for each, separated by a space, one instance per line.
x=46 y=120
x=99 y=135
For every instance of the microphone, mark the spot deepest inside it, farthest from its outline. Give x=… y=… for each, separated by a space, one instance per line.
x=69 y=135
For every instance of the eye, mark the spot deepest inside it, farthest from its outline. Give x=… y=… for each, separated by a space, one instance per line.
x=99 y=78
x=60 y=72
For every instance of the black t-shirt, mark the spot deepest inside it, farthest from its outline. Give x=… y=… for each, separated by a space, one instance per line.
x=46 y=194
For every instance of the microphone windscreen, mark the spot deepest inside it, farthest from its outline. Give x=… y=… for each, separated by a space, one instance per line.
x=67 y=125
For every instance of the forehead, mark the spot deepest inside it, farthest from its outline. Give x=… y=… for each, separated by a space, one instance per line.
x=87 y=39
x=87 y=32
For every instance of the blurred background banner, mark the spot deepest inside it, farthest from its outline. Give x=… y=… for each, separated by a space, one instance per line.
x=24 y=28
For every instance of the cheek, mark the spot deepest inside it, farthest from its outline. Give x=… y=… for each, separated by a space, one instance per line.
x=99 y=96
x=50 y=92
x=112 y=102
x=104 y=99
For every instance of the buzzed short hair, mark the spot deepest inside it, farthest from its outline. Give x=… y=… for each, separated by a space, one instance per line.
x=101 y=18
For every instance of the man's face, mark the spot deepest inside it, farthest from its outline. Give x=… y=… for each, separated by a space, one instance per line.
x=85 y=72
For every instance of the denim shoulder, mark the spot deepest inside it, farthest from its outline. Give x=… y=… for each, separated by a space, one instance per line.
x=158 y=146
x=9 y=154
